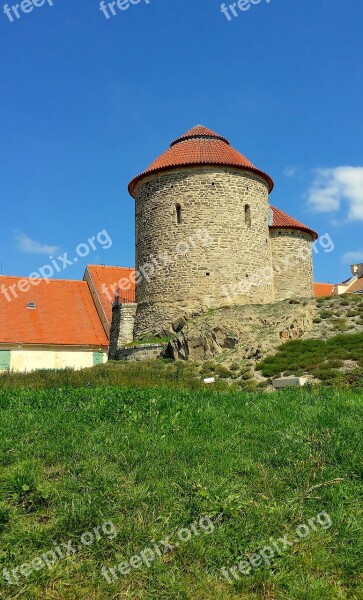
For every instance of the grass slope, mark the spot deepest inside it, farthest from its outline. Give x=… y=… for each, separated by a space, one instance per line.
x=152 y=461
x=324 y=359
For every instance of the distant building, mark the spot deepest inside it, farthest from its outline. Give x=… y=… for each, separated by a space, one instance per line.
x=324 y=289
x=353 y=285
x=59 y=323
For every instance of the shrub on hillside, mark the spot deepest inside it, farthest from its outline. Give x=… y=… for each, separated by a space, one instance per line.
x=323 y=359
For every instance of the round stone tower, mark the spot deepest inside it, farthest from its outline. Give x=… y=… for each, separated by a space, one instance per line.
x=202 y=232
x=292 y=256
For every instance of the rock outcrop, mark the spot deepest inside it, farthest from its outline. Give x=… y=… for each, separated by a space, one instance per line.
x=249 y=332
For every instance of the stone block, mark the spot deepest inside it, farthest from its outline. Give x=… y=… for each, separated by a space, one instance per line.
x=285 y=382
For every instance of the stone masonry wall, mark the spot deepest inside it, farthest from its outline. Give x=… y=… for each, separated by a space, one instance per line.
x=139 y=353
x=293 y=263
x=122 y=328
x=213 y=247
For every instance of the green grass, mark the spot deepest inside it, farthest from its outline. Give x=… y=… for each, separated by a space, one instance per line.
x=142 y=374
x=152 y=461
x=323 y=359
x=152 y=373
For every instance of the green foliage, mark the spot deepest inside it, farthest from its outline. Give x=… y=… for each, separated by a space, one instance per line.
x=234 y=366
x=208 y=369
x=345 y=302
x=326 y=314
x=340 y=324
x=4 y=515
x=24 y=488
x=247 y=375
x=334 y=363
x=323 y=359
x=151 y=373
x=325 y=374
x=222 y=372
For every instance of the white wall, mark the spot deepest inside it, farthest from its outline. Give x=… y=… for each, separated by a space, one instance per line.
x=29 y=359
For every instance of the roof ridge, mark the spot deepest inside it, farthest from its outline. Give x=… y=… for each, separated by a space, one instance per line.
x=201 y=132
x=111 y=267
x=98 y=297
x=50 y=280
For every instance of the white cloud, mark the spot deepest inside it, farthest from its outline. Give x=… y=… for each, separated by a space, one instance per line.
x=352 y=258
x=292 y=171
x=332 y=188
x=26 y=244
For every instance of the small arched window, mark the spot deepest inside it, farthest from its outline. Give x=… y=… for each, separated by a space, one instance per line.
x=247 y=215
x=178 y=214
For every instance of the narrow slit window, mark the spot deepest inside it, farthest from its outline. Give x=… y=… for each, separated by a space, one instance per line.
x=248 y=215
x=178 y=214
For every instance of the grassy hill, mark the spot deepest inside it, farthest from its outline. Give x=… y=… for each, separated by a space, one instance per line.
x=132 y=467
x=338 y=360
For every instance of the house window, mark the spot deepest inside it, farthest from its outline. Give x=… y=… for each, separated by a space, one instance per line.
x=247 y=215
x=178 y=214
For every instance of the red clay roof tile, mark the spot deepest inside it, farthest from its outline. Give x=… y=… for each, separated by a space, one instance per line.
x=107 y=280
x=323 y=289
x=200 y=146
x=201 y=132
x=356 y=286
x=282 y=220
x=65 y=314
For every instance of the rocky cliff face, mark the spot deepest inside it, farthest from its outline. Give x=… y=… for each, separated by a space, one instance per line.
x=253 y=332
x=249 y=331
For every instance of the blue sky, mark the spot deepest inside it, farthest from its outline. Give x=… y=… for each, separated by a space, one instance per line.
x=87 y=103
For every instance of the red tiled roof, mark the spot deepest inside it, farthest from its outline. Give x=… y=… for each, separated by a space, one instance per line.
x=199 y=131
x=356 y=286
x=323 y=289
x=106 y=280
x=200 y=146
x=281 y=220
x=65 y=314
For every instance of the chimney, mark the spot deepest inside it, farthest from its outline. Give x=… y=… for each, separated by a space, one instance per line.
x=357 y=270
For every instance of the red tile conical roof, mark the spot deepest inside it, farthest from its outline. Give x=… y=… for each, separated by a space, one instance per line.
x=200 y=146
x=199 y=131
x=281 y=220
